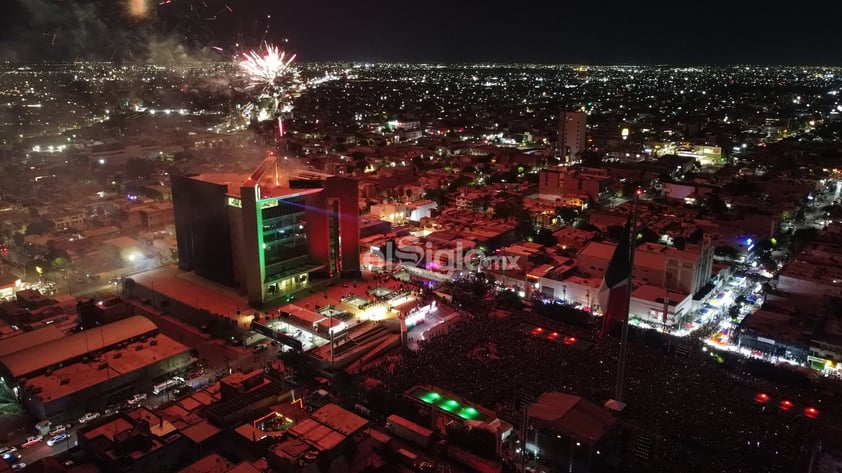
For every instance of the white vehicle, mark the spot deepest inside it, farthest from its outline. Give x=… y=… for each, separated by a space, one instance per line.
x=56 y=439
x=8 y=453
x=137 y=398
x=18 y=466
x=32 y=440
x=167 y=385
x=60 y=429
x=89 y=416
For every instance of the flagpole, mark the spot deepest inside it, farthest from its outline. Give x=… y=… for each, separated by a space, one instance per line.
x=624 y=338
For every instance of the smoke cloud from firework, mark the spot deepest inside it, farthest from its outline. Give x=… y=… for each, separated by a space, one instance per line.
x=172 y=31
x=138 y=8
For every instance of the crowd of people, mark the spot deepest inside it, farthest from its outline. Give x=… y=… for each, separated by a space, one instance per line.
x=683 y=399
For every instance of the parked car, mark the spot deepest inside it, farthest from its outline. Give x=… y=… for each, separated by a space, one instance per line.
x=137 y=398
x=18 y=466
x=8 y=453
x=89 y=416
x=56 y=439
x=32 y=440
x=59 y=429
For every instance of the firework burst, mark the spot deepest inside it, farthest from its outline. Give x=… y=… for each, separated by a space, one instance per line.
x=269 y=73
x=268 y=67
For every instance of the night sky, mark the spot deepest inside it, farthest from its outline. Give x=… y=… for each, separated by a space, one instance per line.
x=561 y=31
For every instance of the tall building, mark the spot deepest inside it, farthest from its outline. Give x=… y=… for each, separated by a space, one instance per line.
x=571 y=134
x=267 y=233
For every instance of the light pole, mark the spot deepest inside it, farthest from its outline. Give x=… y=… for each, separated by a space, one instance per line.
x=332 y=359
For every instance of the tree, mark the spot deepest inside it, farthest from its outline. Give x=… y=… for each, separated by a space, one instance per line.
x=439 y=196
x=59 y=263
x=727 y=252
x=591 y=158
x=715 y=205
x=615 y=232
x=460 y=181
x=545 y=237
x=39 y=227
x=508 y=300
x=679 y=242
x=646 y=235
x=696 y=237
x=139 y=168
x=525 y=226
x=568 y=214
x=129 y=285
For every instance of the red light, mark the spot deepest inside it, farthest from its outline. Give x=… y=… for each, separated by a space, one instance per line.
x=762 y=397
x=786 y=405
x=639 y=192
x=570 y=340
x=539 y=329
x=811 y=412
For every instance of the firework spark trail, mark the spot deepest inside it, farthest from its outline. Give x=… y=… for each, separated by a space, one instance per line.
x=265 y=68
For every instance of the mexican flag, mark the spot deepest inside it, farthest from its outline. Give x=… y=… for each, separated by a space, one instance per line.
x=613 y=292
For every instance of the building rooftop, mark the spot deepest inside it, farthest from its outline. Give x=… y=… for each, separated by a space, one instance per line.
x=651 y=293
x=339 y=419
x=213 y=463
x=200 y=432
x=572 y=415
x=774 y=325
x=123 y=242
x=54 y=352
x=317 y=435
x=109 y=429
x=26 y=340
x=290 y=449
x=232 y=180
x=77 y=376
x=194 y=291
x=245 y=467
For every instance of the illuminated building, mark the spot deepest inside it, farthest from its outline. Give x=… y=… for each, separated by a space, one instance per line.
x=571 y=134
x=267 y=233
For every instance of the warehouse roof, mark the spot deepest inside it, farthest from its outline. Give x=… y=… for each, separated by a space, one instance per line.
x=29 y=339
x=51 y=353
